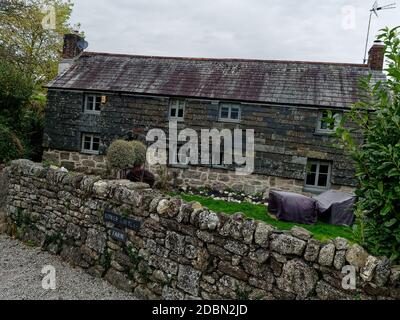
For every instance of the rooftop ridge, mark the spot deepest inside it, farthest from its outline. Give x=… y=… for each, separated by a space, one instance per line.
x=91 y=53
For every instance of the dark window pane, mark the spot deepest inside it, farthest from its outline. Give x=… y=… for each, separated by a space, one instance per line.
x=97 y=104
x=180 y=113
x=311 y=179
x=87 y=143
x=89 y=103
x=312 y=168
x=323 y=180
x=324 y=168
x=173 y=112
x=235 y=114
x=224 y=113
x=96 y=146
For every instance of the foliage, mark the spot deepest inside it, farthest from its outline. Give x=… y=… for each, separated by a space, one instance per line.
x=15 y=92
x=10 y=146
x=164 y=179
x=321 y=231
x=120 y=155
x=29 y=58
x=32 y=123
x=139 y=153
x=377 y=118
x=27 y=42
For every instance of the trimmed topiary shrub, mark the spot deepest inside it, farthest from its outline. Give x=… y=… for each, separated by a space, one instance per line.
x=139 y=153
x=120 y=155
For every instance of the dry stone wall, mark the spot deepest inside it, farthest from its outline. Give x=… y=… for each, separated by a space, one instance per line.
x=163 y=248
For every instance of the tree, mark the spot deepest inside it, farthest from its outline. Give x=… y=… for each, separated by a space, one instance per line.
x=31 y=35
x=16 y=89
x=377 y=118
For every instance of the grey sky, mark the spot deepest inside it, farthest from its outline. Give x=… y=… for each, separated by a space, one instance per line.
x=312 y=30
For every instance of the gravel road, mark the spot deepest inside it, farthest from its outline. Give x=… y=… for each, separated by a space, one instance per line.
x=21 y=277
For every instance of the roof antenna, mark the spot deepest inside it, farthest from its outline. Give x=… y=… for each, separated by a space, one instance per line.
x=374 y=10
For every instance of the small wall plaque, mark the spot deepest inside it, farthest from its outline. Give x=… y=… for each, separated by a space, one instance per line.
x=121 y=221
x=118 y=235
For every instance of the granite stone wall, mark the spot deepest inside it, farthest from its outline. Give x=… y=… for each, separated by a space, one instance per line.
x=163 y=248
x=285 y=136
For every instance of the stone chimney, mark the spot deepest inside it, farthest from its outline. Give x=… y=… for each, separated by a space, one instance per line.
x=71 y=51
x=376 y=56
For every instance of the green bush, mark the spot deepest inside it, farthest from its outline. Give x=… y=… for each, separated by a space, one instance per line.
x=120 y=155
x=377 y=159
x=139 y=153
x=10 y=146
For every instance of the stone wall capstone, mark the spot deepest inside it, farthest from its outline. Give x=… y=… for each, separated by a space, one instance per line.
x=181 y=250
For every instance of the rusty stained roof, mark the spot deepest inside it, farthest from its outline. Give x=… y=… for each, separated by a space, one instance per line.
x=260 y=81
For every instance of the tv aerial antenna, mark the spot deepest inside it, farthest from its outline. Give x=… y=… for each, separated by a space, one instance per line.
x=375 y=8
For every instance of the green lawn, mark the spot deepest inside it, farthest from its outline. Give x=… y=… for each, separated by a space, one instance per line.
x=321 y=231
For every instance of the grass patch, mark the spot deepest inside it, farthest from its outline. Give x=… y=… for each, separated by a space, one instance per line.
x=321 y=231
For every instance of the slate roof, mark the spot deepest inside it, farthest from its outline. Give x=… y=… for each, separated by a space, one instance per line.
x=261 y=81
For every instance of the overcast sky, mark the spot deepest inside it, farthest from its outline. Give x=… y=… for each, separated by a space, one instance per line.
x=313 y=30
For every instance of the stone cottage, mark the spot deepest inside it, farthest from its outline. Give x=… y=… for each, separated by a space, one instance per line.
x=99 y=97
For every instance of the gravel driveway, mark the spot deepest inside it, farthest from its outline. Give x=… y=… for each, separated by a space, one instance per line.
x=21 y=277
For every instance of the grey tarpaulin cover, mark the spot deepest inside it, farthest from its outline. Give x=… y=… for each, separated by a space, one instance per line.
x=293 y=207
x=336 y=208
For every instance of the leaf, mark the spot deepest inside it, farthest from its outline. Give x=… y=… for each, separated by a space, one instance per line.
x=390 y=223
x=388 y=207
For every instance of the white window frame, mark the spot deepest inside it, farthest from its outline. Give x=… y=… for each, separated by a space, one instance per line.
x=177 y=104
x=93 y=106
x=230 y=106
x=315 y=186
x=92 y=137
x=337 y=116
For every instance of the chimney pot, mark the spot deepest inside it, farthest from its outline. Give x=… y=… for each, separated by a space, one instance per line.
x=376 y=56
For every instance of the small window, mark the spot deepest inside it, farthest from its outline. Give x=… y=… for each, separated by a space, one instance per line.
x=328 y=121
x=93 y=104
x=90 y=143
x=229 y=112
x=177 y=110
x=318 y=174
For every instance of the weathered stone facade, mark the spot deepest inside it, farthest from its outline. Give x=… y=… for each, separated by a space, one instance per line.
x=182 y=250
x=191 y=176
x=285 y=136
x=78 y=162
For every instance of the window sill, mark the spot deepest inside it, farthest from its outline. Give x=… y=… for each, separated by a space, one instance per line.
x=229 y=121
x=324 y=133
x=177 y=120
x=89 y=152
x=94 y=113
